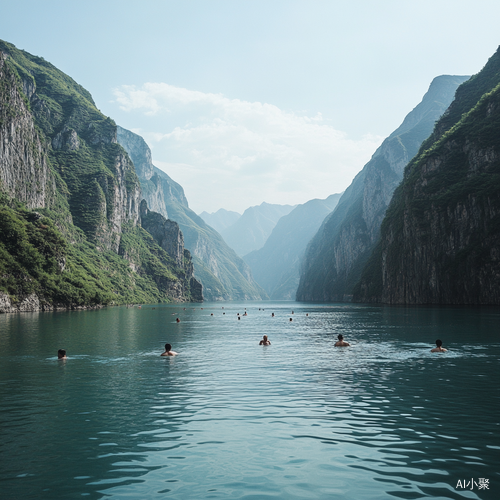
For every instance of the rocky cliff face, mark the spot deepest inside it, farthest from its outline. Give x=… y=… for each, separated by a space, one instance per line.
x=224 y=275
x=158 y=188
x=169 y=237
x=440 y=239
x=24 y=170
x=77 y=139
x=165 y=232
x=337 y=254
x=60 y=155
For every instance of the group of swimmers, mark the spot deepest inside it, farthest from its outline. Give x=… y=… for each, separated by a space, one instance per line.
x=61 y=353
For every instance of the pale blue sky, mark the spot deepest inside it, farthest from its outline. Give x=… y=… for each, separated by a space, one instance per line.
x=251 y=101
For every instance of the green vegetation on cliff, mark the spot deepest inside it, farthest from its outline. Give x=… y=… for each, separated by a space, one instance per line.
x=81 y=245
x=66 y=270
x=338 y=253
x=440 y=237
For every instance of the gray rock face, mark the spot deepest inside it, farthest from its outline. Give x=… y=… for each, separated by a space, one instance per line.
x=169 y=236
x=125 y=202
x=24 y=172
x=30 y=303
x=158 y=188
x=138 y=150
x=165 y=232
x=440 y=238
x=337 y=254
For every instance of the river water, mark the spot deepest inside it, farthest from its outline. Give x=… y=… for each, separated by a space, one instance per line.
x=229 y=419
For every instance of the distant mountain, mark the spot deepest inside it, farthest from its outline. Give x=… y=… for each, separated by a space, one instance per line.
x=337 y=254
x=440 y=238
x=224 y=275
x=221 y=219
x=252 y=229
x=276 y=265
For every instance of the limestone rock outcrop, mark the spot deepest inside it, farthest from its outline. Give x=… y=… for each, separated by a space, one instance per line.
x=24 y=170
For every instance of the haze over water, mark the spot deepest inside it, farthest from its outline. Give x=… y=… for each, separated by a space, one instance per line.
x=230 y=419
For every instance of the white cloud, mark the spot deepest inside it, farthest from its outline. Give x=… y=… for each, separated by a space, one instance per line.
x=234 y=154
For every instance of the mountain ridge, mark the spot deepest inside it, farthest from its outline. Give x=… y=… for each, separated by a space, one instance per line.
x=338 y=252
x=70 y=231
x=276 y=265
x=440 y=236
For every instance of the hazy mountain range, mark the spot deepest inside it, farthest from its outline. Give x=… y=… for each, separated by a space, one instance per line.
x=220 y=220
x=251 y=230
x=276 y=265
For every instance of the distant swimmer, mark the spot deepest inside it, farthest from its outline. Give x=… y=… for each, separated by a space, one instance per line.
x=291 y=319
x=340 y=342
x=265 y=341
x=61 y=354
x=272 y=315
x=439 y=347
x=178 y=320
x=239 y=317
x=168 y=351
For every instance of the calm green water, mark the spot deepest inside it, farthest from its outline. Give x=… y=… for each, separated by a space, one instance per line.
x=229 y=419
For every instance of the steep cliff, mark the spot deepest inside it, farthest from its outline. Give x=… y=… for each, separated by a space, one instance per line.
x=440 y=238
x=338 y=252
x=276 y=266
x=60 y=156
x=224 y=275
x=24 y=170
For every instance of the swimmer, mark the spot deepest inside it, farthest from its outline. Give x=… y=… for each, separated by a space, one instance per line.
x=168 y=351
x=291 y=319
x=265 y=341
x=178 y=320
x=272 y=315
x=61 y=354
x=340 y=342
x=438 y=347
